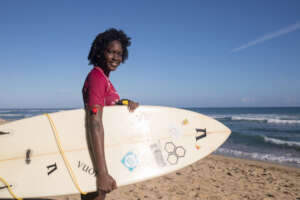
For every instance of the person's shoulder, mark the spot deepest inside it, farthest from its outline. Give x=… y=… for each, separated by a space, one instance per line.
x=96 y=74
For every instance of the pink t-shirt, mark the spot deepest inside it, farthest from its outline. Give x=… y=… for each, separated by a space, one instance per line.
x=98 y=90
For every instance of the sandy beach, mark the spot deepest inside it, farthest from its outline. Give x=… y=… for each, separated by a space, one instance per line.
x=2 y=121
x=215 y=178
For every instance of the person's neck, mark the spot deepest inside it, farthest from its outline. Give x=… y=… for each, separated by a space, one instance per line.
x=105 y=71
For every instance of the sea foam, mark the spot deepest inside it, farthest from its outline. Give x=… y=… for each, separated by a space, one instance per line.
x=260 y=156
x=281 y=142
x=274 y=119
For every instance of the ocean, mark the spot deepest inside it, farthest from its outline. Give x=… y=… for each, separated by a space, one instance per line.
x=264 y=133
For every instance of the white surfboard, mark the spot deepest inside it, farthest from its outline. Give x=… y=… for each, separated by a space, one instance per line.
x=150 y=142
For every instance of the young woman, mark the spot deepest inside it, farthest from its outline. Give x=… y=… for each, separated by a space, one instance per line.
x=108 y=51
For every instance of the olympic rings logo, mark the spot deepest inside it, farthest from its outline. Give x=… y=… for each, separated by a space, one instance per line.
x=174 y=152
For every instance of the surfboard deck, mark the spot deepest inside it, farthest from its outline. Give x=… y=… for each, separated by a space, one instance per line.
x=150 y=142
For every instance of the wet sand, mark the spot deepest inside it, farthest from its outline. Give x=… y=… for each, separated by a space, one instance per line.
x=2 y=121
x=215 y=178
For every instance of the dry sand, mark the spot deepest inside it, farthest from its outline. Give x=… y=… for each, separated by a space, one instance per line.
x=215 y=178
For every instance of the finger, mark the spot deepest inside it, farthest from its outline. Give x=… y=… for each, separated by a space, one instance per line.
x=106 y=188
x=134 y=106
x=114 y=185
x=103 y=190
x=102 y=194
x=130 y=106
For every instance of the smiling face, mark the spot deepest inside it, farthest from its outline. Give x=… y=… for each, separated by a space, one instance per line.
x=113 y=55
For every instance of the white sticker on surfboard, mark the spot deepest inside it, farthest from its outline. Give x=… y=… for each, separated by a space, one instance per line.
x=175 y=131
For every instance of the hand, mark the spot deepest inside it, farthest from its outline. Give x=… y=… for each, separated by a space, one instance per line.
x=106 y=183
x=132 y=105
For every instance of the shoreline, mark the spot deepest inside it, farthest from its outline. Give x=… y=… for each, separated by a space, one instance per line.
x=265 y=162
x=2 y=121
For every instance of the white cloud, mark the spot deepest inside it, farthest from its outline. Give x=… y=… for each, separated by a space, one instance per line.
x=270 y=36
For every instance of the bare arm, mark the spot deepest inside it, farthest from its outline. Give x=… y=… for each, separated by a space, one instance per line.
x=104 y=180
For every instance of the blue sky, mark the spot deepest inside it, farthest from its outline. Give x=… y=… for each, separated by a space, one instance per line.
x=183 y=53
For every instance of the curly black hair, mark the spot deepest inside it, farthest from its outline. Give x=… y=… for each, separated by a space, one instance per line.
x=96 y=55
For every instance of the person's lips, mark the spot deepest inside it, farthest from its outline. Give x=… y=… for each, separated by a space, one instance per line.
x=113 y=65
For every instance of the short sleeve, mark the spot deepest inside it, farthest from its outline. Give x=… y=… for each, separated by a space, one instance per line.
x=96 y=90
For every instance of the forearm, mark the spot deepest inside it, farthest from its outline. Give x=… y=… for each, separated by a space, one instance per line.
x=97 y=142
